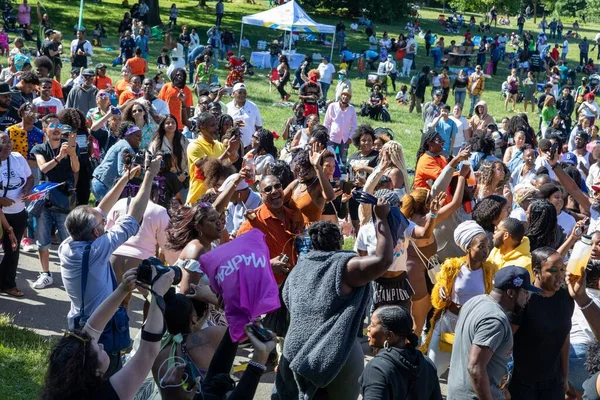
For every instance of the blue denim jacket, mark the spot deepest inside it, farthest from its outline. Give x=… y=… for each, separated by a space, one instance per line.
x=111 y=167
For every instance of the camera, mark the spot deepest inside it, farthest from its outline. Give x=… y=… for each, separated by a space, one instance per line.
x=144 y=271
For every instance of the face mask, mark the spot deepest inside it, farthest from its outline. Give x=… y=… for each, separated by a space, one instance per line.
x=341 y=77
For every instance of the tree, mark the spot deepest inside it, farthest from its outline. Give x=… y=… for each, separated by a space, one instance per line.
x=154 y=14
x=505 y=6
x=563 y=7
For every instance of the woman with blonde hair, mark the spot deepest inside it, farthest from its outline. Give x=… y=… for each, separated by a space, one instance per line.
x=422 y=252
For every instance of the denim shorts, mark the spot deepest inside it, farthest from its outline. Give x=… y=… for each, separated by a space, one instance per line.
x=577 y=372
x=99 y=189
x=46 y=224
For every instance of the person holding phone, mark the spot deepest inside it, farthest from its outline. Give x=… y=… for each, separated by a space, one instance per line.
x=58 y=162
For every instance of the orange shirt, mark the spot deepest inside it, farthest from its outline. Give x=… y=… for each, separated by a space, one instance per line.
x=428 y=168
x=121 y=87
x=137 y=65
x=102 y=83
x=280 y=236
x=128 y=94
x=169 y=93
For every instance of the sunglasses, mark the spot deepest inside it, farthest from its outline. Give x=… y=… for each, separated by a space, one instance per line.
x=137 y=111
x=103 y=95
x=269 y=189
x=55 y=126
x=81 y=339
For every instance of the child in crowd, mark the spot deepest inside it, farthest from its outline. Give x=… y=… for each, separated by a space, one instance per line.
x=402 y=96
x=360 y=67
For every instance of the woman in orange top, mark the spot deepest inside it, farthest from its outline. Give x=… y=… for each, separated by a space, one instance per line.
x=138 y=65
x=123 y=83
x=312 y=190
x=430 y=162
x=101 y=80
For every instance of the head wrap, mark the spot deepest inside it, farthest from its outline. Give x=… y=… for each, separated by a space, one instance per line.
x=465 y=232
x=132 y=130
x=313 y=76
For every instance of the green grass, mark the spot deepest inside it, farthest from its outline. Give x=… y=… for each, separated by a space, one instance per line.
x=406 y=126
x=23 y=361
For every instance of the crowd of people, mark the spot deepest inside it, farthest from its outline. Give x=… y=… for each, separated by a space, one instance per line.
x=458 y=262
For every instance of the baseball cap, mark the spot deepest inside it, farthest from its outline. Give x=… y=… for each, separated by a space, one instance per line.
x=238 y=86
x=327 y=58
x=88 y=72
x=513 y=277
x=569 y=158
x=241 y=186
x=438 y=92
x=342 y=72
x=346 y=92
x=49 y=31
x=100 y=66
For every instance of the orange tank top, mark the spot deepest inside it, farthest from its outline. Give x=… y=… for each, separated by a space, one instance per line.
x=309 y=210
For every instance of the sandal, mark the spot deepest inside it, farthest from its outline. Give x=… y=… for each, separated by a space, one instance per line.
x=15 y=292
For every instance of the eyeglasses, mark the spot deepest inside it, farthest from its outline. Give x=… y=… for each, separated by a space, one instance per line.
x=269 y=189
x=136 y=111
x=55 y=126
x=31 y=113
x=103 y=223
x=438 y=140
x=103 y=95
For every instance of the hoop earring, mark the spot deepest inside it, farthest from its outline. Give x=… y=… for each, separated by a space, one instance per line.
x=386 y=345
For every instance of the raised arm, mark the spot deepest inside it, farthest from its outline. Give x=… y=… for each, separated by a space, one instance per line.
x=128 y=380
x=139 y=202
x=425 y=231
x=221 y=202
x=326 y=189
x=570 y=185
x=114 y=194
x=362 y=270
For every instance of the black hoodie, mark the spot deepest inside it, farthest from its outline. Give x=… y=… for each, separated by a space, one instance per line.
x=400 y=374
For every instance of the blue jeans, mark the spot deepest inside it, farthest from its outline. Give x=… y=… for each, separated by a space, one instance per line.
x=436 y=53
x=459 y=97
x=502 y=52
x=325 y=88
x=99 y=189
x=577 y=372
x=46 y=223
x=474 y=101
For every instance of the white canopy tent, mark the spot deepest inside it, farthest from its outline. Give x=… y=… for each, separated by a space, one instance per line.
x=288 y=17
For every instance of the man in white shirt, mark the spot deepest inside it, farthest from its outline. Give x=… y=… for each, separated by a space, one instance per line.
x=245 y=111
x=340 y=121
x=390 y=70
x=502 y=40
x=148 y=93
x=81 y=49
x=565 y=50
x=326 y=69
x=242 y=199
x=47 y=104
x=461 y=123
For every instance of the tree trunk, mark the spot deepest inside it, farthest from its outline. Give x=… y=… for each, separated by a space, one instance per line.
x=154 y=14
x=535 y=12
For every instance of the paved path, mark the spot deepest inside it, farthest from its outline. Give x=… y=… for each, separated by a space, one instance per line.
x=44 y=311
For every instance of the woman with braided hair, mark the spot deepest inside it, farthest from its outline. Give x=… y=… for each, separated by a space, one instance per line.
x=430 y=161
x=543 y=225
x=399 y=370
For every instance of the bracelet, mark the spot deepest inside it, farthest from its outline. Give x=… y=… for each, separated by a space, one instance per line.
x=263 y=368
x=56 y=160
x=151 y=337
x=588 y=305
x=432 y=215
x=87 y=324
x=554 y=166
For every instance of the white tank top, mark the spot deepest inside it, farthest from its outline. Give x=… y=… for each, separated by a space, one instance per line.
x=585 y=160
x=467 y=285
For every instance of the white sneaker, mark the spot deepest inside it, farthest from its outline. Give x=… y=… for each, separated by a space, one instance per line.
x=43 y=280
x=28 y=246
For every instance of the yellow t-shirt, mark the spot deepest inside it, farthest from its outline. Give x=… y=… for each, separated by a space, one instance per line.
x=198 y=149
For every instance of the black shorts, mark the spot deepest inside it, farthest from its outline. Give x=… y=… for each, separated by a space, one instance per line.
x=534 y=68
x=513 y=91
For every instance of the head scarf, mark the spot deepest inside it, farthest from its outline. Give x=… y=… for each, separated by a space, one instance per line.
x=465 y=232
x=313 y=76
x=524 y=193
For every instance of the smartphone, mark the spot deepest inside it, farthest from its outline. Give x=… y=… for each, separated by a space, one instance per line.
x=261 y=333
x=72 y=139
x=553 y=150
x=346 y=186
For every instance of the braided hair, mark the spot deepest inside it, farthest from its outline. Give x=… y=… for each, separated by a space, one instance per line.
x=489 y=210
x=397 y=320
x=542 y=230
x=325 y=236
x=427 y=138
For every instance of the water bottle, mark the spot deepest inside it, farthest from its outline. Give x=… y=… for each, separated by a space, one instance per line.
x=580 y=256
x=252 y=167
x=114 y=100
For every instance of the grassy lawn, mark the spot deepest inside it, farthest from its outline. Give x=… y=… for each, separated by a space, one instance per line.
x=406 y=126
x=23 y=361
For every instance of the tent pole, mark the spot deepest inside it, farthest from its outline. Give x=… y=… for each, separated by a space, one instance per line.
x=332 y=46
x=240 y=41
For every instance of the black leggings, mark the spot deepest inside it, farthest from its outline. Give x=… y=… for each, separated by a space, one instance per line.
x=281 y=88
x=8 y=266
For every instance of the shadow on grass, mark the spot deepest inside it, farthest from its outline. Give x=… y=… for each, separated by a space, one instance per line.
x=23 y=361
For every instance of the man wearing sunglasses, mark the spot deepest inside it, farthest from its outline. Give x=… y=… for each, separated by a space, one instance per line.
x=280 y=224
x=58 y=162
x=83 y=96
